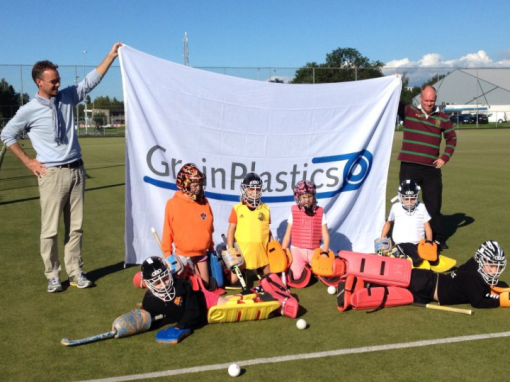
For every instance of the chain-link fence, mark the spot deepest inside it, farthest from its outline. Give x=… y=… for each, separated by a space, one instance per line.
x=460 y=90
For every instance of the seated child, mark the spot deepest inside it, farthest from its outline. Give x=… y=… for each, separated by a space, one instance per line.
x=188 y=224
x=249 y=225
x=306 y=226
x=411 y=222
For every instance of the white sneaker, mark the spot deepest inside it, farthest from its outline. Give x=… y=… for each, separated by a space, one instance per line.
x=54 y=285
x=80 y=281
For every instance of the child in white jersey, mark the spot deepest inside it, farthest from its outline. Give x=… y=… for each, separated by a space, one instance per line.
x=411 y=222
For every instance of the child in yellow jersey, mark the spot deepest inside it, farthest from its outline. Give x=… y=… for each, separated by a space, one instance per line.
x=249 y=225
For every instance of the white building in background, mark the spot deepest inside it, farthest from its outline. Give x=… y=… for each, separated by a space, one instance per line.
x=475 y=91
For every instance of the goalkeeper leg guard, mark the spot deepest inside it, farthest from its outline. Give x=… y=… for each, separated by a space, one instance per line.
x=377 y=269
x=245 y=309
x=300 y=282
x=443 y=264
x=345 y=290
x=380 y=297
x=274 y=286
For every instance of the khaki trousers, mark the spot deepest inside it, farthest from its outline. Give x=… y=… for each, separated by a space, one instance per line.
x=62 y=190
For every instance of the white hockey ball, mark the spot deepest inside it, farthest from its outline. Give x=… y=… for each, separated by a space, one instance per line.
x=331 y=290
x=234 y=370
x=301 y=324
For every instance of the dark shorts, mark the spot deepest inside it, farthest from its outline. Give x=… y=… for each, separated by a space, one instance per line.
x=410 y=250
x=422 y=286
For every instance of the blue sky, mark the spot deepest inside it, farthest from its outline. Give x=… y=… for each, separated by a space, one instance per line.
x=258 y=33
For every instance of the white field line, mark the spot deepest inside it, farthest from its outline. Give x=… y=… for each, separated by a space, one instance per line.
x=297 y=357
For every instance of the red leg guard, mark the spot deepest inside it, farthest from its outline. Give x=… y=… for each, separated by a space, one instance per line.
x=345 y=289
x=379 y=297
x=375 y=269
x=302 y=281
x=273 y=285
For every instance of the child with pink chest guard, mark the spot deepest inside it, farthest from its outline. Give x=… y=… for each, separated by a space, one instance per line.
x=306 y=227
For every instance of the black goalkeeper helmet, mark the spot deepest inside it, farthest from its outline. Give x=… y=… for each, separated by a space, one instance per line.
x=408 y=193
x=157 y=276
x=251 y=189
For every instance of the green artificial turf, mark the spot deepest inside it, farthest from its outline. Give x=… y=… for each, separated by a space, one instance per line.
x=32 y=321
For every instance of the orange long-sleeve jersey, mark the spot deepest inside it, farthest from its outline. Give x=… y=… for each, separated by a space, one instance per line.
x=188 y=225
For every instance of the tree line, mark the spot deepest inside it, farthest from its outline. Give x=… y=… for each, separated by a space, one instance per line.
x=342 y=64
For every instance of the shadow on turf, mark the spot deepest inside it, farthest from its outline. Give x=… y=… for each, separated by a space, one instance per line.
x=453 y=222
x=87 y=190
x=96 y=274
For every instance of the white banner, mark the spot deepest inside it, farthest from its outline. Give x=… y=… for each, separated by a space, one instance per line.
x=339 y=136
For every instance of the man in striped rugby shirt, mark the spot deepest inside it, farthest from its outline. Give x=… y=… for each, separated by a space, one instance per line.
x=420 y=157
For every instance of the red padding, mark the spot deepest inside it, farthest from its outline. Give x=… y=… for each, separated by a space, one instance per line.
x=274 y=286
x=303 y=281
x=138 y=281
x=375 y=269
x=372 y=298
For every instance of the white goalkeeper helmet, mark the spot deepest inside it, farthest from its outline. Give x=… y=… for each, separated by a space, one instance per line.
x=159 y=280
x=491 y=261
x=408 y=193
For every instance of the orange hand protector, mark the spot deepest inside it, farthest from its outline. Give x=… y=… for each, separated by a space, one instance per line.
x=504 y=300
x=427 y=251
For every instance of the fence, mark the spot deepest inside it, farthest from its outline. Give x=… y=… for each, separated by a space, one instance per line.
x=460 y=90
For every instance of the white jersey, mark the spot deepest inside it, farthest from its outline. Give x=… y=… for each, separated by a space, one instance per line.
x=408 y=228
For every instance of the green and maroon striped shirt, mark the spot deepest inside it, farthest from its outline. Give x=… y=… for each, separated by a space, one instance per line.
x=422 y=136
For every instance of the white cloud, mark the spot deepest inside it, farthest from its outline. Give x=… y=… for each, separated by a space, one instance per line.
x=433 y=63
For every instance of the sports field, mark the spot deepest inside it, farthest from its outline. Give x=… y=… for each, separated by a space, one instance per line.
x=384 y=345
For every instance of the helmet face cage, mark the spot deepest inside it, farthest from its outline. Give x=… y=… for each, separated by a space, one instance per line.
x=188 y=174
x=156 y=274
x=304 y=187
x=408 y=193
x=251 y=189
x=491 y=261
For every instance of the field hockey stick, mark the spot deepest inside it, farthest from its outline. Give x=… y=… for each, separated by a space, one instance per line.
x=217 y=254
x=235 y=267
x=179 y=266
x=156 y=236
x=97 y=337
x=445 y=308
x=133 y=322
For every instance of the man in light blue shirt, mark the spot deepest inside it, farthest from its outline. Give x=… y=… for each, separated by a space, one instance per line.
x=48 y=120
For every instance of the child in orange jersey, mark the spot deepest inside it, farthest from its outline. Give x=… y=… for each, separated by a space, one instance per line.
x=188 y=225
